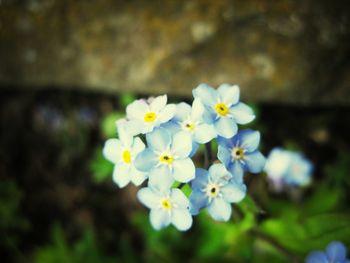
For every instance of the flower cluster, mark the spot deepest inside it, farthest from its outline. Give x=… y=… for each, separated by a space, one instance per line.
x=288 y=168
x=171 y=137
x=335 y=252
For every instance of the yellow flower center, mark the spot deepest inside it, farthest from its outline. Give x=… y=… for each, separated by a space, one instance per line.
x=166 y=159
x=189 y=126
x=221 y=109
x=212 y=190
x=237 y=153
x=126 y=156
x=166 y=204
x=149 y=117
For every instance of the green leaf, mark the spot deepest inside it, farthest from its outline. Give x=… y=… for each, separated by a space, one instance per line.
x=108 y=124
x=125 y=99
x=101 y=168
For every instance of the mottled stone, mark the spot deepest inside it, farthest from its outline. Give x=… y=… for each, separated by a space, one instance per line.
x=286 y=52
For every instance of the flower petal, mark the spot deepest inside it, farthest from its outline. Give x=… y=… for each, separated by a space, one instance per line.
x=336 y=251
x=167 y=113
x=158 y=103
x=137 y=110
x=179 y=198
x=220 y=210
x=226 y=127
x=138 y=146
x=248 y=139
x=234 y=192
x=242 y=113
x=201 y=179
x=197 y=110
x=206 y=94
x=218 y=172
x=229 y=94
x=204 y=133
x=317 y=257
x=255 y=162
x=148 y=197
x=224 y=155
x=183 y=111
x=181 y=145
x=137 y=177
x=112 y=150
x=160 y=178
x=125 y=137
x=146 y=160
x=159 y=218
x=198 y=200
x=181 y=219
x=159 y=140
x=237 y=171
x=121 y=174
x=183 y=170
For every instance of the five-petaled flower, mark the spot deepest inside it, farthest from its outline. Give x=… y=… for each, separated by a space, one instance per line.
x=335 y=253
x=215 y=189
x=168 y=206
x=223 y=108
x=240 y=154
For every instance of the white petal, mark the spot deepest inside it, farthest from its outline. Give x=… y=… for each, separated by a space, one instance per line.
x=158 y=103
x=218 y=172
x=183 y=111
x=183 y=170
x=220 y=210
x=204 y=133
x=160 y=178
x=197 y=110
x=181 y=145
x=138 y=146
x=134 y=127
x=159 y=140
x=226 y=127
x=167 y=113
x=178 y=197
x=229 y=94
x=137 y=177
x=242 y=113
x=206 y=94
x=159 y=218
x=121 y=174
x=112 y=150
x=137 y=110
x=148 y=197
x=125 y=137
x=181 y=219
x=248 y=139
x=234 y=192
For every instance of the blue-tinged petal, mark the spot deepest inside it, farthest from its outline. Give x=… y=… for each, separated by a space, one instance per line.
x=204 y=133
x=317 y=257
x=159 y=218
x=336 y=251
x=242 y=113
x=237 y=171
x=137 y=177
x=148 y=197
x=228 y=143
x=195 y=147
x=181 y=145
x=121 y=174
x=218 y=172
x=183 y=170
x=146 y=160
x=206 y=94
x=201 y=179
x=158 y=103
x=138 y=146
x=160 y=178
x=178 y=197
x=226 y=127
x=112 y=150
x=209 y=115
x=234 y=192
x=181 y=219
x=255 y=161
x=219 y=209
x=198 y=200
x=159 y=140
x=197 y=110
x=183 y=111
x=137 y=109
x=167 y=113
x=229 y=94
x=249 y=139
x=224 y=155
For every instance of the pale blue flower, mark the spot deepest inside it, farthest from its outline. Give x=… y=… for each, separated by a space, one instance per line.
x=144 y=116
x=168 y=206
x=167 y=158
x=216 y=190
x=122 y=152
x=223 y=108
x=335 y=253
x=240 y=153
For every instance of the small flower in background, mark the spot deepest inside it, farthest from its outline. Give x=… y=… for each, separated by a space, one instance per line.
x=168 y=206
x=287 y=168
x=167 y=158
x=240 y=153
x=335 y=253
x=122 y=152
x=223 y=109
x=143 y=117
x=216 y=190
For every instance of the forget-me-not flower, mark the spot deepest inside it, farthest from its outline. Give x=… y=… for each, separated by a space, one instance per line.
x=240 y=153
x=223 y=108
x=144 y=116
x=167 y=157
x=122 y=152
x=335 y=253
x=168 y=206
x=216 y=190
